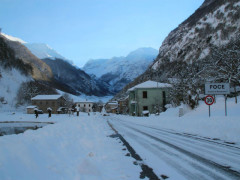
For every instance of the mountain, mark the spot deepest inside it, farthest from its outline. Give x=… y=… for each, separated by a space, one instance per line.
x=43 y=51
x=215 y=22
x=51 y=72
x=119 y=71
x=41 y=71
x=192 y=48
x=16 y=81
x=70 y=79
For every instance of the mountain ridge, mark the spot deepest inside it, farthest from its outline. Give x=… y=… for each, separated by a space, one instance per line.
x=118 y=71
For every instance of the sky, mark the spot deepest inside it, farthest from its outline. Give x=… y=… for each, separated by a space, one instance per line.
x=92 y=29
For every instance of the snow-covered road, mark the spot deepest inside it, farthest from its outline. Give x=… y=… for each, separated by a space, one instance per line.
x=180 y=155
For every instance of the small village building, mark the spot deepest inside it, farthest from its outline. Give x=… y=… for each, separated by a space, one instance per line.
x=30 y=109
x=43 y=102
x=123 y=105
x=112 y=107
x=149 y=97
x=85 y=106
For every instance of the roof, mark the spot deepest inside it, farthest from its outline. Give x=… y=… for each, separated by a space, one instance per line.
x=85 y=102
x=31 y=107
x=47 y=97
x=113 y=103
x=151 y=84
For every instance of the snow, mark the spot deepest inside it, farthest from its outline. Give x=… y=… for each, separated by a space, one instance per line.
x=184 y=147
x=118 y=71
x=46 y=97
x=10 y=83
x=73 y=148
x=42 y=51
x=30 y=107
x=150 y=84
x=13 y=38
x=80 y=147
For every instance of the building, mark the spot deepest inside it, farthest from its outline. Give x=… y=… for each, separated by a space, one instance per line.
x=123 y=105
x=112 y=107
x=148 y=97
x=86 y=106
x=45 y=101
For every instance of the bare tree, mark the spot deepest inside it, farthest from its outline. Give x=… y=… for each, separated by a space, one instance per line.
x=227 y=64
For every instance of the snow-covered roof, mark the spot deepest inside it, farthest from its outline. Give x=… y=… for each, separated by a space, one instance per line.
x=47 y=97
x=31 y=107
x=150 y=84
x=85 y=102
x=113 y=103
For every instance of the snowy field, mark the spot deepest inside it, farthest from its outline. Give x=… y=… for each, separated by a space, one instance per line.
x=72 y=148
x=80 y=147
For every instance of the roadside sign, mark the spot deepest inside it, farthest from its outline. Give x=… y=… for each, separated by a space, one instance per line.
x=209 y=100
x=217 y=88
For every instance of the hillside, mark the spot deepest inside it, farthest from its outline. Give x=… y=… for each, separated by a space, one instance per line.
x=73 y=80
x=41 y=71
x=13 y=72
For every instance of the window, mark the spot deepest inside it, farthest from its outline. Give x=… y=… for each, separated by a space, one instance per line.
x=144 y=94
x=145 y=108
x=89 y=105
x=84 y=105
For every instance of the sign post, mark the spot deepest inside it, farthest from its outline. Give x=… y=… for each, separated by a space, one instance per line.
x=225 y=98
x=218 y=89
x=209 y=100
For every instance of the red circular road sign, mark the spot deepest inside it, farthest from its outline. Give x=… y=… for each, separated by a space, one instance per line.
x=209 y=100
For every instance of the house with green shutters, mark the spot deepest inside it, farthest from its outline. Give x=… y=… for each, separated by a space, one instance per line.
x=149 y=97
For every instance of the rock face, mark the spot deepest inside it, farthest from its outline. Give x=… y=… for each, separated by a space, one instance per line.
x=119 y=71
x=68 y=78
x=214 y=24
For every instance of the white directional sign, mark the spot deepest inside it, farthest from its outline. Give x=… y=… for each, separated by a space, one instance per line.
x=217 y=88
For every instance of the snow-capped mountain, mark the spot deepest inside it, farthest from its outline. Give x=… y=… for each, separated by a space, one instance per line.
x=119 y=71
x=12 y=38
x=41 y=71
x=215 y=22
x=52 y=71
x=43 y=51
x=40 y=50
x=70 y=79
